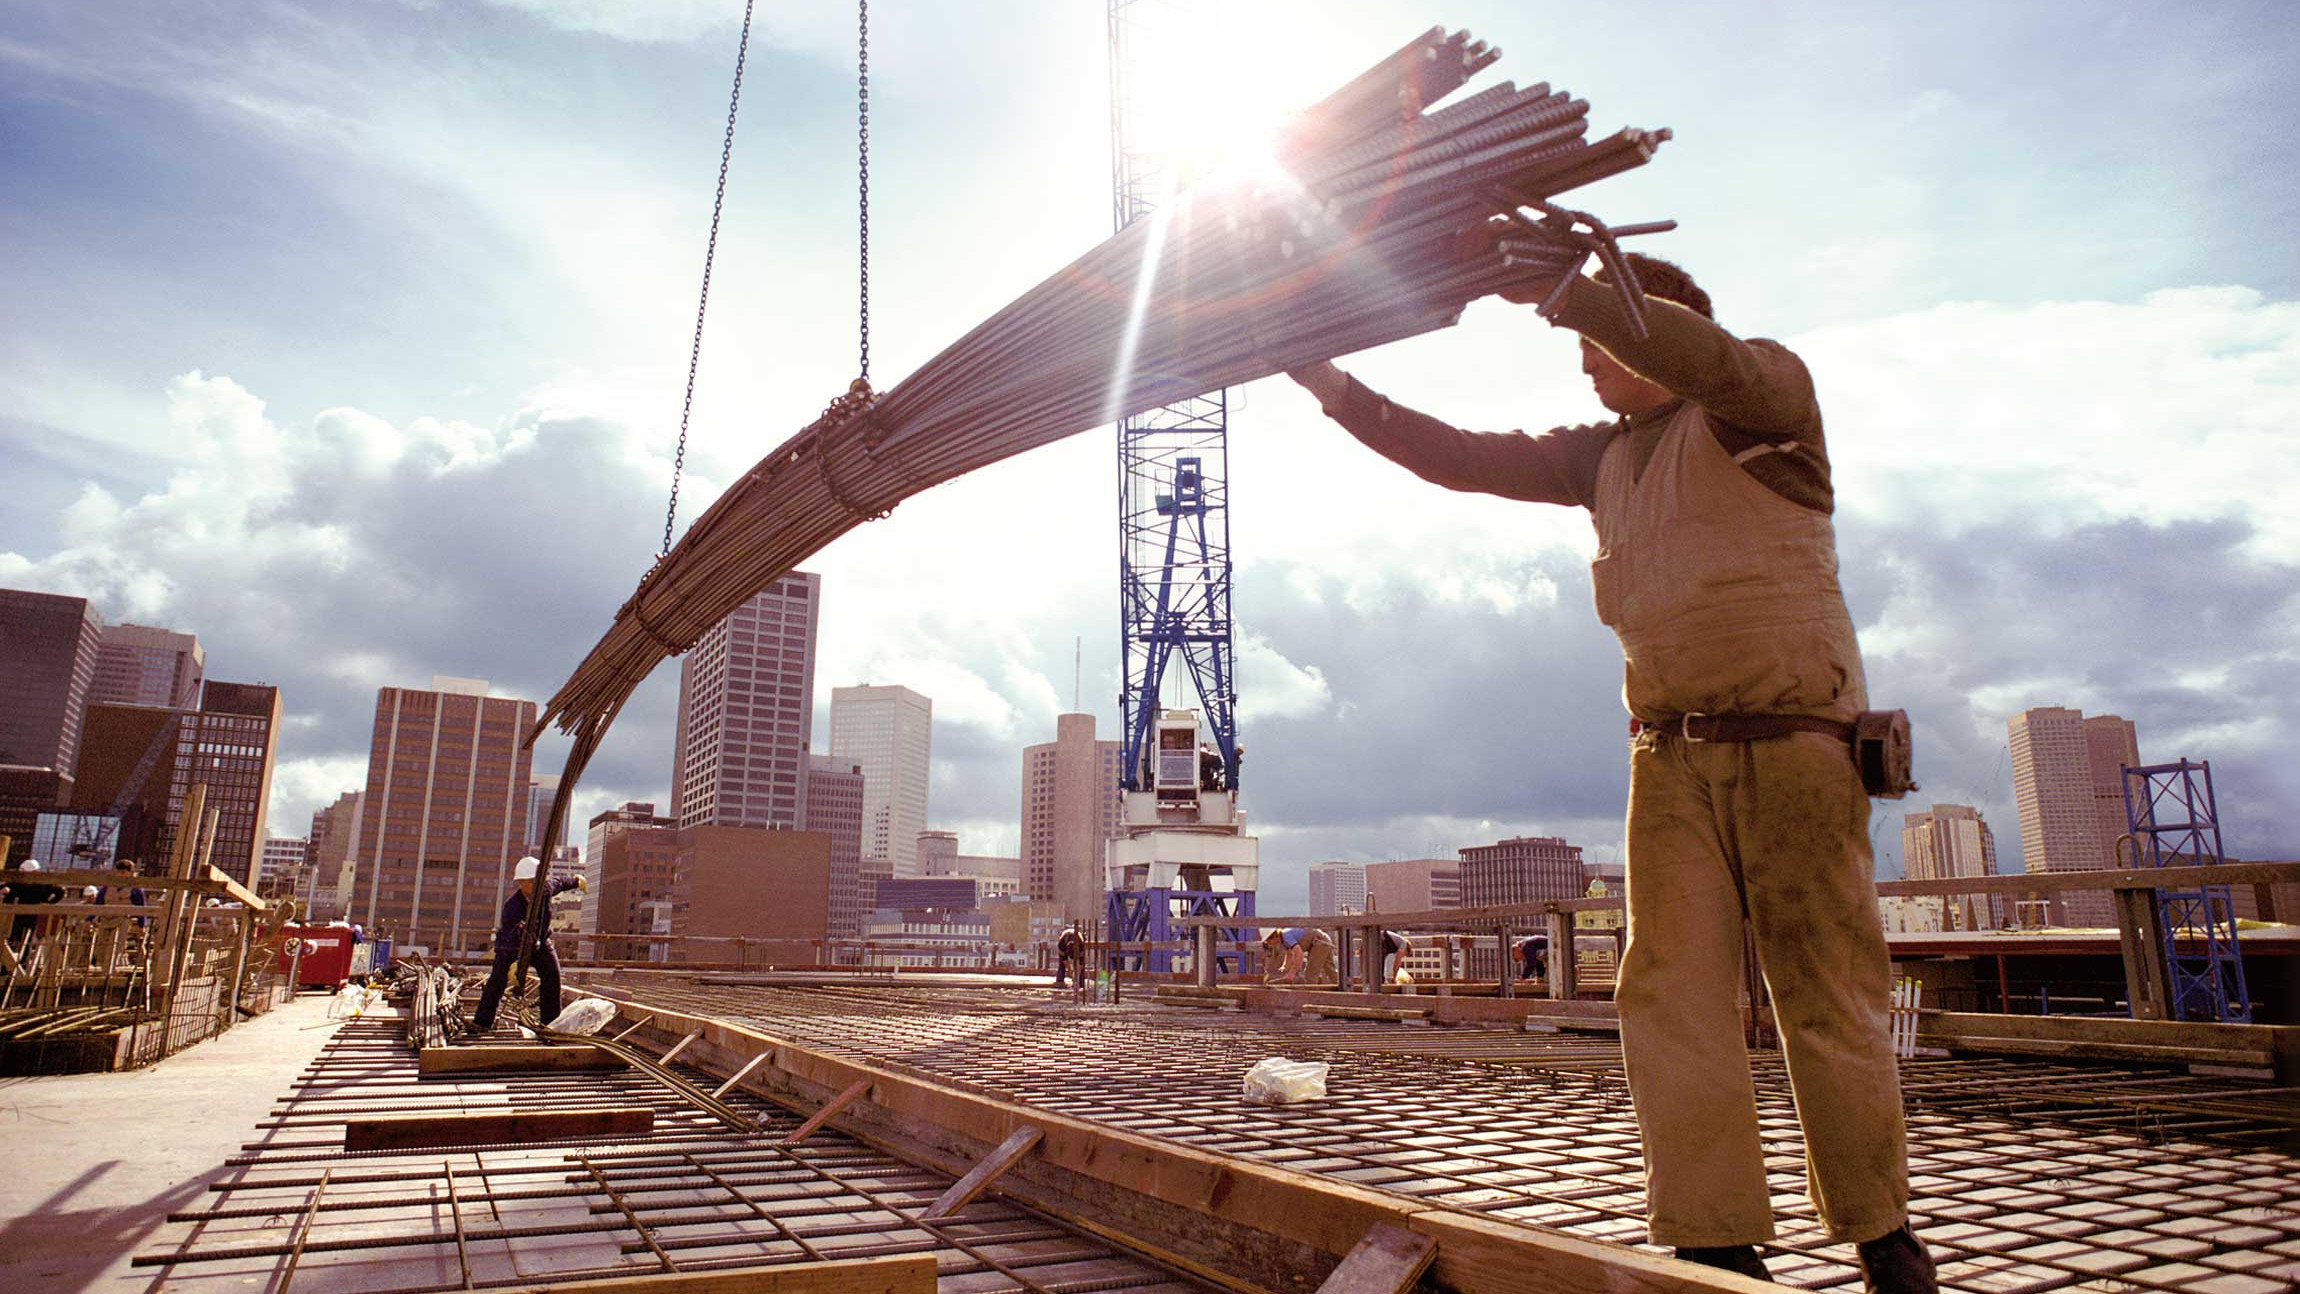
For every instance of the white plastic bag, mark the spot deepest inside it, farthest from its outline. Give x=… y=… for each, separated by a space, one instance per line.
x=1278 y=1081
x=586 y=1017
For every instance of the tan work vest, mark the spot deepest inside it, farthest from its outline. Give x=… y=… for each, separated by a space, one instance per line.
x=1723 y=593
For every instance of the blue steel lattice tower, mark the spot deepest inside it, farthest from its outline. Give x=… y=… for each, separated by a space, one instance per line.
x=1174 y=601
x=1173 y=503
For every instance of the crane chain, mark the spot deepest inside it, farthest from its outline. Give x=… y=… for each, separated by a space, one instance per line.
x=703 y=302
x=862 y=168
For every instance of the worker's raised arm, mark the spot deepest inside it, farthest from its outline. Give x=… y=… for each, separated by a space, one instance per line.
x=1557 y=467
x=1759 y=386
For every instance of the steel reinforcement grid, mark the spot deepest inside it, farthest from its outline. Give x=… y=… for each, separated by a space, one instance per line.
x=2026 y=1175
x=298 y=1211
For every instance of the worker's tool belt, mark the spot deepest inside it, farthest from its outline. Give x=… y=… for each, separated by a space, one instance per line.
x=1879 y=739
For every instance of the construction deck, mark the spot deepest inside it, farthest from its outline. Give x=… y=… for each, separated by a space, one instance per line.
x=2027 y=1174
x=1515 y=1150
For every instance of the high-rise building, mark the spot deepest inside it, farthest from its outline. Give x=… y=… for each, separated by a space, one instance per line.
x=280 y=868
x=27 y=795
x=143 y=665
x=48 y=648
x=746 y=712
x=540 y=788
x=334 y=841
x=889 y=731
x=1071 y=808
x=1337 y=889
x=833 y=806
x=1522 y=869
x=444 y=814
x=2111 y=745
x=1413 y=885
x=1946 y=841
x=2067 y=774
x=634 y=815
x=127 y=760
x=227 y=745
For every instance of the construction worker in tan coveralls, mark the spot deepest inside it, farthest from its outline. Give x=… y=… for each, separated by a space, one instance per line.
x=1717 y=568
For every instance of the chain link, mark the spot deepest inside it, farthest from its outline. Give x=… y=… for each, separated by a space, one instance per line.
x=702 y=303
x=862 y=166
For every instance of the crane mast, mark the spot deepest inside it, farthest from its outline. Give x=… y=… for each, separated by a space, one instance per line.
x=1173 y=499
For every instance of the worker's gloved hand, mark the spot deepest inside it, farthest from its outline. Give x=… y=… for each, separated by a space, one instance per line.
x=580 y=883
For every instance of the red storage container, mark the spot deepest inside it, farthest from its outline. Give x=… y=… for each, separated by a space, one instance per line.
x=326 y=955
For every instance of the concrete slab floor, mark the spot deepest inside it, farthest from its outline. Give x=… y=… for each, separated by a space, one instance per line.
x=92 y=1164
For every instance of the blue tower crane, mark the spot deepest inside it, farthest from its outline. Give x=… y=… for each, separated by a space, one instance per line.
x=1173 y=505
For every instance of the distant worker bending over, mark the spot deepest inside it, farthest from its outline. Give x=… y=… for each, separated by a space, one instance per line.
x=1070 y=956
x=1533 y=958
x=510 y=928
x=1717 y=568
x=1298 y=955
x=1394 y=948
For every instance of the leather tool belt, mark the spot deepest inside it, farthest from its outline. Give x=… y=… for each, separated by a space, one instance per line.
x=1879 y=739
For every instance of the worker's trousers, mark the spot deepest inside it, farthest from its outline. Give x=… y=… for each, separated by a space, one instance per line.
x=545 y=965
x=1775 y=830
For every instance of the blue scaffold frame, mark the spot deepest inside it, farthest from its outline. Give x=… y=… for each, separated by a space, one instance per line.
x=2175 y=821
x=1149 y=918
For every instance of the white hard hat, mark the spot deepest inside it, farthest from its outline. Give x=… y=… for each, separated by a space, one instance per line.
x=31 y=864
x=526 y=868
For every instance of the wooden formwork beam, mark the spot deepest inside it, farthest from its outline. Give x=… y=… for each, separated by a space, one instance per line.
x=413 y=1131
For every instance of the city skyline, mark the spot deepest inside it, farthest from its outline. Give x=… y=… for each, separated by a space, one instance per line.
x=422 y=417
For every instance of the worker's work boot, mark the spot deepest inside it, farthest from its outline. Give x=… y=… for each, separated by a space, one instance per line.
x=1896 y=1263
x=1733 y=1258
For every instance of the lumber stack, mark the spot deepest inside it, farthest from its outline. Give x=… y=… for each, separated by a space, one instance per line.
x=1386 y=217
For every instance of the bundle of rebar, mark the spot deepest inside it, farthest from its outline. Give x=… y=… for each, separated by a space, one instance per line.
x=1384 y=218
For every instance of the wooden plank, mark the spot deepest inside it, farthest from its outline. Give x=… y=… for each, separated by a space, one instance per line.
x=407 y=1131
x=1485 y=1254
x=1388 y=1261
x=978 y=1179
x=905 y=1274
x=457 y=1062
x=854 y=1092
x=673 y=1054
x=2104 y=1029
x=2260 y=1059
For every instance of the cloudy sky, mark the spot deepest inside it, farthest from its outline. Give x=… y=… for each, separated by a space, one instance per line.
x=350 y=335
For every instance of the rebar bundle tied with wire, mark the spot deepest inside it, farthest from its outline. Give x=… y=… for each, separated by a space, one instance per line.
x=1383 y=218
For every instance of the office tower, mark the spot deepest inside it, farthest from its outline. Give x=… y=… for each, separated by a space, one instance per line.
x=127 y=761
x=1071 y=808
x=280 y=867
x=48 y=647
x=1946 y=841
x=143 y=665
x=833 y=807
x=1337 y=889
x=1522 y=869
x=26 y=794
x=1413 y=885
x=540 y=788
x=2111 y=745
x=746 y=712
x=334 y=842
x=228 y=745
x=444 y=814
x=2067 y=784
x=637 y=859
x=888 y=730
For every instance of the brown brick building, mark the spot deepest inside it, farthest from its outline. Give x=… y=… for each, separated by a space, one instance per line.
x=444 y=814
x=228 y=745
x=1522 y=869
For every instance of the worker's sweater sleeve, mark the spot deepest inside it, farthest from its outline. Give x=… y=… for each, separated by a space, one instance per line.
x=1558 y=466
x=1758 y=386
x=563 y=882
